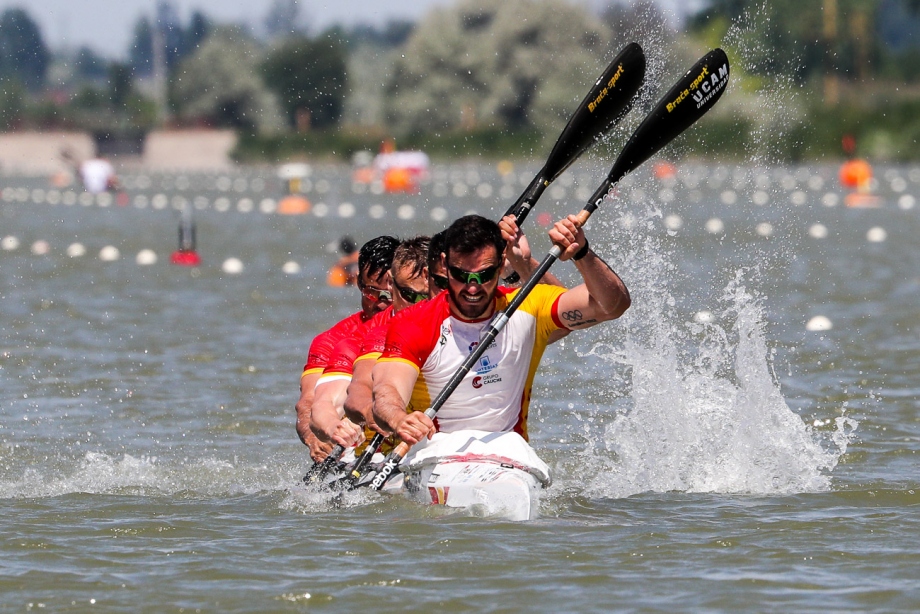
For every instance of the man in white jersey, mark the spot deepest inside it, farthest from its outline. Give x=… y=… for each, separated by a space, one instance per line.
x=424 y=351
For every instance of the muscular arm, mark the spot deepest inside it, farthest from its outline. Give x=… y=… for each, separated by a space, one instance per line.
x=359 y=403
x=602 y=297
x=393 y=383
x=318 y=449
x=327 y=421
x=327 y=407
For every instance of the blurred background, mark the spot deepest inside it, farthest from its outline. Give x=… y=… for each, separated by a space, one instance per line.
x=206 y=84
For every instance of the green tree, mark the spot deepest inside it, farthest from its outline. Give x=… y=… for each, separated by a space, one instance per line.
x=515 y=64
x=220 y=84
x=12 y=95
x=23 y=53
x=309 y=76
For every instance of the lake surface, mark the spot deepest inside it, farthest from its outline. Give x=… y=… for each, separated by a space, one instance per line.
x=719 y=448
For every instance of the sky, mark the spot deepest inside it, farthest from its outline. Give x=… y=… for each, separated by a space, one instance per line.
x=106 y=26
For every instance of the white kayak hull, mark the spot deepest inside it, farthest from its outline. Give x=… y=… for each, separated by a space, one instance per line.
x=488 y=474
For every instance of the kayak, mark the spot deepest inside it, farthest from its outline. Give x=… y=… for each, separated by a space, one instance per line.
x=488 y=474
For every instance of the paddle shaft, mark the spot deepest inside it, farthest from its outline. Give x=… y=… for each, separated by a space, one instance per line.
x=703 y=84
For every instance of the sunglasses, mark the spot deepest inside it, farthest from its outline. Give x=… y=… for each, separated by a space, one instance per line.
x=410 y=295
x=467 y=277
x=441 y=281
x=375 y=294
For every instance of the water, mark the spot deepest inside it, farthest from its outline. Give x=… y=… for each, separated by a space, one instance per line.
x=709 y=452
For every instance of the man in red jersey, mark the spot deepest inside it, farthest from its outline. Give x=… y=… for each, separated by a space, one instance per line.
x=409 y=281
x=374 y=262
x=423 y=352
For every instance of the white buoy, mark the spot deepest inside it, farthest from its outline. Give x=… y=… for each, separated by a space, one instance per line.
x=484 y=190
x=906 y=202
x=377 y=211
x=818 y=231
x=876 y=235
x=159 y=201
x=290 y=268
x=764 y=229
x=760 y=198
x=798 y=198
x=146 y=257
x=232 y=266
x=346 y=210
x=268 y=205
x=9 y=243
x=76 y=250
x=41 y=247
x=245 y=205
x=819 y=323
x=405 y=212
x=459 y=190
x=320 y=209
x=439 y=214
x=715 y=226
x=830 y=199
x=109 y=253
x=222 y=204
x=673 y=222
x=728 y=197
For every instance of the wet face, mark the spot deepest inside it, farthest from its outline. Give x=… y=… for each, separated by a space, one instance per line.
x=473 y=280
x=376 y=292
x=409 y=289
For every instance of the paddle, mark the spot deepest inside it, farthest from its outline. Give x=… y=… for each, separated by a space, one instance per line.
x=605 y=104
x=608 y=101
x=693 y=95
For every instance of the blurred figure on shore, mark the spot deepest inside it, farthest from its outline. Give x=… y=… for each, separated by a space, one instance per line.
x=98 y=175
x=345 y=271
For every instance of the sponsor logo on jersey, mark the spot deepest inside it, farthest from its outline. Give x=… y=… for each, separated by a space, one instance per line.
x=484 y=380
x=485 y=365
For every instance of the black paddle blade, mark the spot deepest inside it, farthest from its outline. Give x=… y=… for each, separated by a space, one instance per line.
x=607 y=103
x=690 y=99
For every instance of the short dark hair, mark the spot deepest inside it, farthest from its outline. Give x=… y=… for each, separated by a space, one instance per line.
x=471 y=233
x=435 y=248
x=412 y=252
x=347 y=245
x=376 y=255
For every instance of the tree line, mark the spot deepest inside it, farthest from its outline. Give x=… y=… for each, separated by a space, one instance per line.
x=463 y=69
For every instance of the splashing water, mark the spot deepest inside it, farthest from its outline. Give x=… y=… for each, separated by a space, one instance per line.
x=707 y=414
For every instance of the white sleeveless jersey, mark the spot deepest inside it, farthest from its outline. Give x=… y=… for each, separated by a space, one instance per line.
x=495 y=394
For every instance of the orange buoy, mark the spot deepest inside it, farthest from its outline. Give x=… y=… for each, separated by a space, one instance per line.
x=293 y=205
x=855 y=174
x=399 y=179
